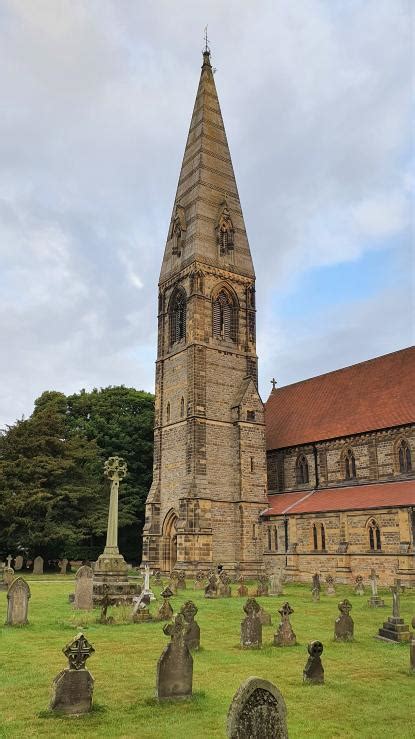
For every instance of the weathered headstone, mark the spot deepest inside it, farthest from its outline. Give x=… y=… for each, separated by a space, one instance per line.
x=157 y=577
x=18 y=563
x=84 y=589
x=344 y=625
x=276 y=582
x=412 y=649
x=265 y=617
x=316 y=587
x=192 y=633
x=251 y=627
x=211 y=589
x=359 y=588
x=175 y=665
x=38 y=566
x=242 y=590
x=257 y=711
x=73 y=687
x=63 y=566
x=8 y=577
x=174 y=579
x=141 y=610
x=330 y=590
x=285 y=636
x=18 y=596
x=395 y=629
x=199 y=580
x=263 y=585
x=314 y=671
x=374 y=601
x=181 y=580
x=165 y=612
x=224 y=588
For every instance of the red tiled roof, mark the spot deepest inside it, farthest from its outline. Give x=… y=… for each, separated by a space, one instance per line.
x=358 y=497
x=371 y=395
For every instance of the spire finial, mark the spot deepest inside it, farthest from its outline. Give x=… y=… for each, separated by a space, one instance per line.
x=206 y=50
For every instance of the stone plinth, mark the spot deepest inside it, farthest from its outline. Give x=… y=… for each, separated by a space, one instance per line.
x=111 y=570
x=394 y=629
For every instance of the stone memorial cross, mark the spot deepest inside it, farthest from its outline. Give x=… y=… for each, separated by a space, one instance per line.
x=115 y=468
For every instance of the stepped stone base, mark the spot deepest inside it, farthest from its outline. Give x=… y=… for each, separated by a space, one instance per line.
x=111 y=570
x=376 y=602
x=394 y=629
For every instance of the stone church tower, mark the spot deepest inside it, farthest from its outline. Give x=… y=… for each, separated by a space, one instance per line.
x=209 y=480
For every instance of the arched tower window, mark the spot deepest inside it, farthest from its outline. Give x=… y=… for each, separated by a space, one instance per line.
x=323 y=536
x=302 y=470
x=178 y=316
x=315 y=538
x=349 y=465
x=374 y=536
x=404 y=456
x=225 y=316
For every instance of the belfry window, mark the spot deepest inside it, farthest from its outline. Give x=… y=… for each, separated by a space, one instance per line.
x=302 y=470
x=374 y=536
x=323 y=536
x=178 y=317
x=404 y=454
x=349 y=465
x=224 y=317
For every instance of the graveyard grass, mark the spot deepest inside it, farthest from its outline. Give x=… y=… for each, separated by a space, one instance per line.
x=368 y=690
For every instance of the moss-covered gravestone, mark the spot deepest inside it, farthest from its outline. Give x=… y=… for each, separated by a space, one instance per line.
x=251 y=626
x=192 y=633
x=344 y=625
x=175 y=666
x=257 y=711
x=73 y=687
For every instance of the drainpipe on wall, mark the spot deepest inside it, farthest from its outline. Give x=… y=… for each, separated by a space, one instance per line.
x=316 y=465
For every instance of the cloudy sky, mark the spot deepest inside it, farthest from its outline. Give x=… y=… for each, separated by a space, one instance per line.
x=96 y=102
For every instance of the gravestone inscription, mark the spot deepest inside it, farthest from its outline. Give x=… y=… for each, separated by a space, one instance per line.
x=257 y=711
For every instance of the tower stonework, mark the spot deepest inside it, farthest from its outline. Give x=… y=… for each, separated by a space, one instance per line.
x=209 y=478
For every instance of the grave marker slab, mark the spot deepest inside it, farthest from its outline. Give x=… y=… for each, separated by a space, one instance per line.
x=18 y=563
x=276 y=582
x=257 y=711
x=84 y=589
x=175 y=666
x=73 y=687
x=251 y=627
x=18 y=596
x=38 y=566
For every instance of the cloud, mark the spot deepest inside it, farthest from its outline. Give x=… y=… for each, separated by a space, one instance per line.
x=97 y=99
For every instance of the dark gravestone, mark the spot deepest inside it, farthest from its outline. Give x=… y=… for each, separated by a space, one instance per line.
x=314 y=671
x=257 y=711
x=165 y=612
x=38 y=566
x=175 y=665
x=343 y=625
x=84 y=589
x=18 y=596
x=251 y=627
x=192 y=633
x=211 y=589
x=224 y=588
x=285 y=636
x=73 y=687
x=316 y=587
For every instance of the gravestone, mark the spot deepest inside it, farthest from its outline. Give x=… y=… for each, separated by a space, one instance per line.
x=18 y=563
x=38 y=566
x=263 y=585
x=285 y=636
x=344 y=625
x=395 y=629
x=242 y=590
x=316 y=587
x=9 y=560
x=412 y=649
x=73 y=687
x=174 y=578
x=359 y=587
x=157 y=577
x=63 y=566
x=106 y=602
x=330 y=590
x=276 y=582
x=251 y=627
x=374 y=601
x=165 y=612
x=84 y=589
x=181 y=580
x=18 y=596
x=199 y=580
x=8 y=577
x=224 y=587
x=265 y=617
x=175 y=665
x=146 y=587
x=257 y=711
x=192 y=633
x=211 y=589
x=314 y=671
x=141 y=610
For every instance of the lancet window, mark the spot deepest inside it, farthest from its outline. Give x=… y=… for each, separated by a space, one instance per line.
x=349 y=465
x=224 y=317
x=178 y=317
x=404 y=456
x=374 y=536
x=302 y=470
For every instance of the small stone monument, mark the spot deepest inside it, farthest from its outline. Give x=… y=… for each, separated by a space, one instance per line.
x=175 y=665
x=63 y=566
x=211 y=589
x=316 y=587
x=83 y=589
x=192 y=633
x=395 y=629
x=199 y=580
x=314 y=671
x=242 y=590
x=265 y=617
x=18 y=596
x=276 y=582
x=38 y=566
x=251 y=627
x=359 y=587
x=412 y=649
x=8 y=577
x=224 y=589
x=285 y=636
x=263 y=585
x=330 y=590
x=146 y=587
x=72 y=688
x=165 y=612
x=181 y=580
x=257 y=711
x=141 y=610
x=374 y=601
x=18 y=563
x=344 y=625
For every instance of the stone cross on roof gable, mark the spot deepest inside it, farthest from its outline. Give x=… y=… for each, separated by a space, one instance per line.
x=78 y=652
x=274 y=383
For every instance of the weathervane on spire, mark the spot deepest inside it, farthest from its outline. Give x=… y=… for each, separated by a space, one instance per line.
x=206 y=50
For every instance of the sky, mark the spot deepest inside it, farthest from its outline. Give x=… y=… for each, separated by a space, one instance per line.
x=97 y=97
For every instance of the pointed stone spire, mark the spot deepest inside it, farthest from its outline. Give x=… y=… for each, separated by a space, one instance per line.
x=207 y=204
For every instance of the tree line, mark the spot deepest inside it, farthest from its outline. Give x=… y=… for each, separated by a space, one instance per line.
x=53 y=494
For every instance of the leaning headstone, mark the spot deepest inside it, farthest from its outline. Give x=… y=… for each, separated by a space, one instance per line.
x=359 y=587
x=412 y=649
x=84 y=589
x=314 y=671
x=73 y=687
x=175 y=665
x=251 y=627
x=165 y=612
x=192 y=633
x=395 y=629
x=344 y=625
x=316 y=587
x=181 y=580
x=224 y=588
x=257 y=711
x=374 y=601
x=285 y=636
x=18 y=596
x=38 y=566
x=141 y=610
x=276 y=582
x=211 y=589
x=263 y=585
x=18 y=563
x=242 y=590
x=330 y=590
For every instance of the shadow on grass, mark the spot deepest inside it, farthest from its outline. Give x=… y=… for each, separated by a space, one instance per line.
x=97 y=708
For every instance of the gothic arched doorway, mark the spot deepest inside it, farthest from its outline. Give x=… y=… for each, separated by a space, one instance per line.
x=169 y=541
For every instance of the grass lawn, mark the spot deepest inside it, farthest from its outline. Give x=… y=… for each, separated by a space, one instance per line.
x=368 y=691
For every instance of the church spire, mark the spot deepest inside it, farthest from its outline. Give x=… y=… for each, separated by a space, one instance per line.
x=207 y=223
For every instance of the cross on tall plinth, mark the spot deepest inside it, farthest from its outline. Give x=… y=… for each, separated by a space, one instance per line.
x=115 y=468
